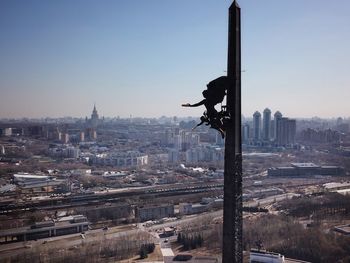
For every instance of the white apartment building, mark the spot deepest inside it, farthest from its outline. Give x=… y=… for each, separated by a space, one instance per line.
x=121 y=159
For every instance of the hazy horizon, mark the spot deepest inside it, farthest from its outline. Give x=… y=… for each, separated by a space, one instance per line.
x=249 y=117
x=147 y=58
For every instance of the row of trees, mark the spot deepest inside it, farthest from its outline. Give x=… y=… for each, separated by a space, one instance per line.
x=277 y=233
x=208 y=228
x=146 y=249
x=104 y=250
x=284 y=235
x=190 y=241
x=323 y=206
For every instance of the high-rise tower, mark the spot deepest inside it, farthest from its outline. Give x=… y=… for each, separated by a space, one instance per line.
x=286 y=131
x=277 y=116
x=256 y=126
x=266 y=124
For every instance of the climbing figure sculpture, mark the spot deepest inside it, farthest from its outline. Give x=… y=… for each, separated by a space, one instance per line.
x=214 y=94
x=204 y=119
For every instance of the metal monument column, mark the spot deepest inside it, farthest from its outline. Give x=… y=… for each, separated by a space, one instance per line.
x=232 y=251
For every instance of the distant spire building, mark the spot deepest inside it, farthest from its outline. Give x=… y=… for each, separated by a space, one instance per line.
x=94 y=117
x=266 y=124
x=256 y=126
x=91 y=126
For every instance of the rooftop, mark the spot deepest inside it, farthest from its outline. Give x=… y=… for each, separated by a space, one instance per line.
x=335 y=185
x=30 y=176
x=304 y=165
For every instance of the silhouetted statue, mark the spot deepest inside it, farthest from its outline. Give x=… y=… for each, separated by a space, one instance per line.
x=204 y=119
x=214 y=94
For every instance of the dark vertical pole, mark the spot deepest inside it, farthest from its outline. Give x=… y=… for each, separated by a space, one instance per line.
x=232 y=226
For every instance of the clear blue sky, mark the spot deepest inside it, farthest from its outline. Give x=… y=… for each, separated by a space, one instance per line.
x=145 y=58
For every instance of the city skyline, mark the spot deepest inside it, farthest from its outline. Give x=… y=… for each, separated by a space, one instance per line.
x=146 y=59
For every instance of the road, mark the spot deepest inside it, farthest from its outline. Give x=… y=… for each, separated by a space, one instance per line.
x=70 y=241
x=67 y=241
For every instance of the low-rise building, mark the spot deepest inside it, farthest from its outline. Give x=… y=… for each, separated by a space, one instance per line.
x=335 y=186
x=121 y=159
x=305 y=169
x=263 y=256
x=185 y=209
x=38 y=183
x=151 y=212
x=264 y=192
x=65 y=226
x=205 y=205
x=168 y=232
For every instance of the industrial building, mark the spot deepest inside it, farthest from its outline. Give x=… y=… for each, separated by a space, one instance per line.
x=205 y=205
x=341 y=188
x=64 y=226
x=263 y=256
x=305 y=169
x=117 y=212
x=37 y=183
x=188 y=208
x=264 y=192
x=144 y=213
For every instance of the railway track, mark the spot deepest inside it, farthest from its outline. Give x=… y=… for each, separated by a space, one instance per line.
x=100 y=198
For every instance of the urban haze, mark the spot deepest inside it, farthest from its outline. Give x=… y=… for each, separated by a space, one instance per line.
x=117 y=123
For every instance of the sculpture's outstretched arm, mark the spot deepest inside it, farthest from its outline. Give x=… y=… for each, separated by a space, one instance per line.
x=194 y=105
